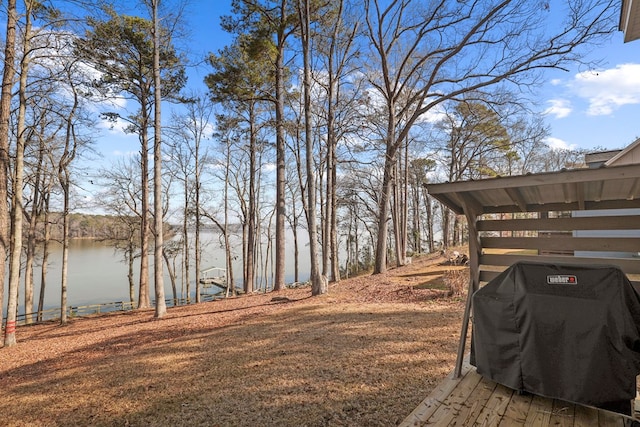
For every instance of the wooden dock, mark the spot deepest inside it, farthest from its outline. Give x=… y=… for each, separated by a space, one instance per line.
x=214 y=276
x=472 y=400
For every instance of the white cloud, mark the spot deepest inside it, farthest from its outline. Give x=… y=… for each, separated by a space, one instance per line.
x=559 y=144
x=434 y=115
x=269 y=167
x=116 y=127
x=559 y=108
x=113 y=102
x=125 y=153
x=608 y=90
x=556 y=82
x=208 y=129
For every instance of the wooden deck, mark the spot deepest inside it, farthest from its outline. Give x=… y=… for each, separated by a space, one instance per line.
x=472 y=400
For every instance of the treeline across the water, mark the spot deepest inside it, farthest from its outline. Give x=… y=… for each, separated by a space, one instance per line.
x=99 y=227
x=87 y=226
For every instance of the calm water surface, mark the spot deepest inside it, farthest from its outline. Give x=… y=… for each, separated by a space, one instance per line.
x=98 y=274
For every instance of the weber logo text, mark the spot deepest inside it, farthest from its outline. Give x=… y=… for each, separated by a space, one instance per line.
x=562 y=279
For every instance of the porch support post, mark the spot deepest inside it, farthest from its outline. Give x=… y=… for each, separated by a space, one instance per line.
x=475 y=250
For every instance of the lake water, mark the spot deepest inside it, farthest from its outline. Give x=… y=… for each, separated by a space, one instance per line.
x=98 y=274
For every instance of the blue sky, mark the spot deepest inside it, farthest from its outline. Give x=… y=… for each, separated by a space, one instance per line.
x=600 y=107
x=585 y=108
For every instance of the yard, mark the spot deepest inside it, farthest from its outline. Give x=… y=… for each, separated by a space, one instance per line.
x=365 y=354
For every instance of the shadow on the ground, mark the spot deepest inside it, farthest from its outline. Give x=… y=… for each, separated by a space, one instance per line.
x=309 y=364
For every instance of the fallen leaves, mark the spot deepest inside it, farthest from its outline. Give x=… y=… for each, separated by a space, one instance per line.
x=365 y=354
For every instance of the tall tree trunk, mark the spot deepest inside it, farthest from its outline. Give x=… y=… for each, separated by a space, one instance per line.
x=429 y=219
x=329 y=252
x=45 y=255
x=196 y=243
x=161 y=307
x=333 y=214
x=400 y=208
x=356 y=234
x=68 y=154
x=250 y=257
x=268 y=258
x=455 y=229
x=36 y=207
x=18 y=179
x=171 y=270
x=144 y=300
x=337 y=58
x=296 y=248
x=281 y=177
x=28 y=268
x=349 y=245
x=130 y=258
x=416 y=229
x=380 y=262
x=404 y=232
x=446 y=226
x=186 y=253
x=65 y=250
x=8 y=74
x=319 y=283
x=396 y=214
x=231 y=286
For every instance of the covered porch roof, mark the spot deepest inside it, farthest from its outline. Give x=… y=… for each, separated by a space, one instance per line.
x=569 y=190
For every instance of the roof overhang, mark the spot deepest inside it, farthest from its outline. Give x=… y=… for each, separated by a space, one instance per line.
x=630 y=20
x=578 y=189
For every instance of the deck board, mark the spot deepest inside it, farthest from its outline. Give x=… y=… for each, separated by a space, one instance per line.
x=495 y=408
x=472 y=408
x=446 y=415
x=472 y=400
x=516 y=413
x=539 y=412
x=563 y=414
x=427 y=407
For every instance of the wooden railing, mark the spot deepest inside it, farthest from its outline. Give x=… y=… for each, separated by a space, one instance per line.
x=574 y=240
x=94 y=309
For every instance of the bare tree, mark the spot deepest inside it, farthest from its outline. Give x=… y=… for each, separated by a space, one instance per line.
x=45 y=253
x=161 y=306
x=241 y=86
x=223 y=226
x=272 y=23
x=39 y=180
x=180 y=165
x=172 y=250
x=127 y=40
x=16 y=204
x=418 y=171
x=69 y=152
x=336 y=45
x=318 y=280
x=428 y=53
x=5 y=112
x=188 y=156
x=122 y=196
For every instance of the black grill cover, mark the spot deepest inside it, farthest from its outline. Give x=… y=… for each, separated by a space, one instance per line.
x=561 y=331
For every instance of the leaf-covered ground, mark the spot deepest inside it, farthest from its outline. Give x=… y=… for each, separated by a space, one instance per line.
x=364 y=355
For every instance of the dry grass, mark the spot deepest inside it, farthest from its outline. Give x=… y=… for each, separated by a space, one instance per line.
x=457 y=281
x=364 y=355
